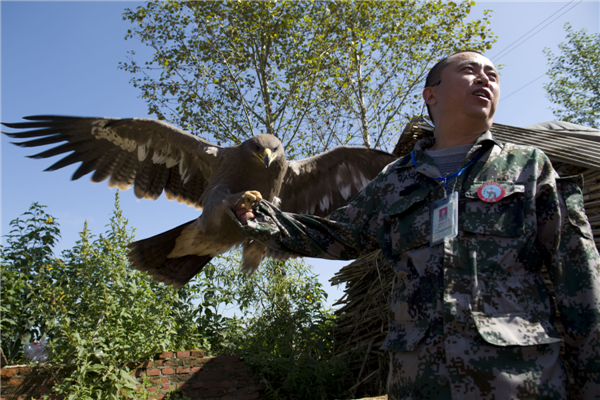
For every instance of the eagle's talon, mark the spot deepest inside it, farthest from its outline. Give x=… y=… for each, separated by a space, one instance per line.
x=251 y=198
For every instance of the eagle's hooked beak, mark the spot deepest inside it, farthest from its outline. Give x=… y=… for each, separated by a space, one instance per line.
x=268 y=158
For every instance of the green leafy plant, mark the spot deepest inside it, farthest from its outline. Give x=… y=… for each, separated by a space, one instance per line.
x=28 y=247
x=101 y=317
x=283 y=331
x=98 y=314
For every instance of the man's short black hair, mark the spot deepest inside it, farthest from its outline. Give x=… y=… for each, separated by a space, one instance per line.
x=435 y=73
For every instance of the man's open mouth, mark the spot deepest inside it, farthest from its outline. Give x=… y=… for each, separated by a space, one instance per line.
x=482 y=93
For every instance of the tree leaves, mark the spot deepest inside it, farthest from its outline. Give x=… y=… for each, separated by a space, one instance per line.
x=317 y=74
x=574 y=85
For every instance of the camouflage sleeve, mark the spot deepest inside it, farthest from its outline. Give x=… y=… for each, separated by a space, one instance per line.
x=344 y=235
x=576 y=278
x=566 y=243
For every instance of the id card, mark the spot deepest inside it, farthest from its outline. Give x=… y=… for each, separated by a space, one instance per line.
x=444 y=219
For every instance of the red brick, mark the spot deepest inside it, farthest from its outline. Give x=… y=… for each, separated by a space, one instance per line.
x=196 y=369
x=15 y=381
x=183 y=354
x=226 y=359
x=197 y=353
x=153 y=372
x=159 y=380
x=190 y=392
x=212 y=384
x=137 y=373
x=226 y=367
x=8 y=372
x=198 y=385
x=166 y=355
x=254 y=395
x=226 y=383
x=226 y=398
x=158 y=363
x=209 y=376
x=182 y=370
x=212 y=392
x=239 y=365
x=42 y=389
x=244 y=373
x=168 y=371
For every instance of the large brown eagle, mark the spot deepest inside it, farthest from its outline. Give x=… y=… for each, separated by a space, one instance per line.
x=154 y=156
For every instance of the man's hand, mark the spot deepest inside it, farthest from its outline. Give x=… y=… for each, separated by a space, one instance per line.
x=244 y=210
x=243 y=214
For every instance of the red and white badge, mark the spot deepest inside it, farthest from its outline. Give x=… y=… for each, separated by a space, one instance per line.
x=491 y=192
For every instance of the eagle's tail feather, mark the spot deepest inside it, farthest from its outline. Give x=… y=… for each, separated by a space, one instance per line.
x=150 y=255
x=183 y=269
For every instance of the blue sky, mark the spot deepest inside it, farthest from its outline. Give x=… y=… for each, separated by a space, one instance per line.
x=62 y=58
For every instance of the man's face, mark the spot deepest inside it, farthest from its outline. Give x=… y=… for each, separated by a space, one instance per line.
x=469 y=87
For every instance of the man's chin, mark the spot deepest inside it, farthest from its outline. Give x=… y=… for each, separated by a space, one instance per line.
x=482 y=115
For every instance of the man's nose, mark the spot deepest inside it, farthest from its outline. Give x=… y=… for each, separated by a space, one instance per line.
x=483 y=78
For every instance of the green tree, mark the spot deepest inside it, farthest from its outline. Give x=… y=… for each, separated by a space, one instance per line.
x=380 y=54
x=317 y=74
x=98 y=314
x=283 y=331
x=28 y=247
x=574 y=85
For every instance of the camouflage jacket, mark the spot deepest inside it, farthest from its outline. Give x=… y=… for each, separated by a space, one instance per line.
x=471 y=316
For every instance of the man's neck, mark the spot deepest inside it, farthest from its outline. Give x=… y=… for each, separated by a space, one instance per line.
x=450 y=135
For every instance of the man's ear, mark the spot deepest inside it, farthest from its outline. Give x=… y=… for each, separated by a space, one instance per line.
x=429 y=96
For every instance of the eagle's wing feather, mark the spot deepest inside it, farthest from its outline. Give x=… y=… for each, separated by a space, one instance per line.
x=320 y=184
x=150 y=155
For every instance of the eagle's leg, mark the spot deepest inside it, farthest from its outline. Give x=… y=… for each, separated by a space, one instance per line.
x=248 y=199
x=252 y=197
x=253 y=253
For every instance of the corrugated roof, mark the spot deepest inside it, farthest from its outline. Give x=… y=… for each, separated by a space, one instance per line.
x=574 y=145
x=558 y=146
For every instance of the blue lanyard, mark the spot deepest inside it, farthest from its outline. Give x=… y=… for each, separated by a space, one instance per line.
x=454 y=175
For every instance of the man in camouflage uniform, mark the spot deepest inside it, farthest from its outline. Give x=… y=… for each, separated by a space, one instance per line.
x=471 y=317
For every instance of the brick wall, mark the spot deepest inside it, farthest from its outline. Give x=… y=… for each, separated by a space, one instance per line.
x=198 y=377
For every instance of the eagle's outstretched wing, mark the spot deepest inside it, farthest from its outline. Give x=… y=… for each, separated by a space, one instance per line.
x=320 y=184
x=148 y=154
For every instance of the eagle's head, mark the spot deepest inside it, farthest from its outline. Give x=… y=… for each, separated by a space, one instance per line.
x=266 y=148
